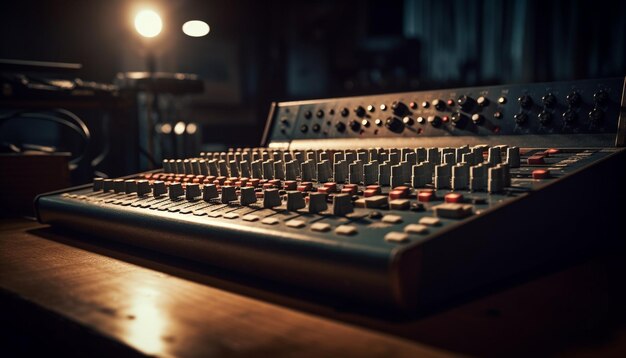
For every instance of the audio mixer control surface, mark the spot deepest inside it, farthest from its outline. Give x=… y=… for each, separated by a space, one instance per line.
x=444 y=197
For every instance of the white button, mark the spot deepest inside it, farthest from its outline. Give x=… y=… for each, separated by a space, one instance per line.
x=416 y=229
x=430 y=221
x=231 y=216
x=399 y=204
x=453 y=210
x=270 y=221
x=392 y=219
x=321 y=227
x=395 y=236
x=214 y=214
x=345 y=230
x=250 y=217
x=295 y=223
x=376 y=201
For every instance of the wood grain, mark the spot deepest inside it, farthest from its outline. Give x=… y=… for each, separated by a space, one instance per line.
x=160 y=314
x=158 y=305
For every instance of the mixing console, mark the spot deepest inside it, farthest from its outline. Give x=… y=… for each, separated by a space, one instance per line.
x=443 y=197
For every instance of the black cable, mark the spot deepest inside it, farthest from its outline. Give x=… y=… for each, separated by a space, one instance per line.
x=85 y=136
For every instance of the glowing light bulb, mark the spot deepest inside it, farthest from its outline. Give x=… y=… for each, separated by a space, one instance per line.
x=196 y=28
x=148 y=23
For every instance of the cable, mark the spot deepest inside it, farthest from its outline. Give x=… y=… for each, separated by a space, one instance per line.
x=79 y=129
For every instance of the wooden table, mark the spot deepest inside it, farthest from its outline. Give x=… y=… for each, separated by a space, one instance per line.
x=60 y=291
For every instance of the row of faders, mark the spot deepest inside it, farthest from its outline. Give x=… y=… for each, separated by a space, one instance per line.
x=402 y=227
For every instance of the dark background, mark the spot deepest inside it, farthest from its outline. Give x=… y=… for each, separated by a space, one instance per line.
x=263 y=51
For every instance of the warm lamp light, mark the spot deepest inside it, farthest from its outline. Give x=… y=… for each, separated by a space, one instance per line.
x=148 y=23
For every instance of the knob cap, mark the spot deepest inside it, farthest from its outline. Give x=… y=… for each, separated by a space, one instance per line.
x=596 y=115
x=569 y=116
x=400 y=109
x=525 y=101
x=434 y=121
x=573 y=99
x=345 y=112
x=355 y=125
x=458 y=119
x=601 y=97
x=521 y=118
x=308 y=114
x=340 y=126
x=465 y=102
x=359 y=111
x=439 y=104
x=544 y=117
x=394 y=124
x=478 y=119
x=408 y=121
x=548 y=100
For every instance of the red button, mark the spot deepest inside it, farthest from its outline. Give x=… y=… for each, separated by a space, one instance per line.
x=291 y=185
x=351 y=191
x=253 y=183
x=541 y=174
x=453 y=198
x=552 y=151
x=370 y=192
x=425 y=196
x=398 y=194
x=268 y=186
x=330 y=187
x=536 y=159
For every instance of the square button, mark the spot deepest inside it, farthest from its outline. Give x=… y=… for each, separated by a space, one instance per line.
x=430 y=221
x=416 y=229
x=295 y=223
x=270 y=221
x=231 y=216
x=345 y=230
x=392 y=219
x=321 y=227
x=398 y=237
x=250 y=217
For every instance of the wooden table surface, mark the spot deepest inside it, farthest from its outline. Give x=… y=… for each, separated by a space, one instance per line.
x=98 y=297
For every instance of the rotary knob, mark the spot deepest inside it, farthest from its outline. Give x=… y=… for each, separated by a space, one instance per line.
x=355 y=125
x=466 y=103
x=521 y=118
x=434 y=121
x=544 y=117
x=525 y=101
x=340 y=126
x=478 y=119
x=394 y=124
x=400 y=109
x=359 y=111
x=345 y=112
x=458 y=119
x=548 y=100
x=596 y=115
x=439 y=104
x=573 y=99
x=601 y=97
x=569 y=116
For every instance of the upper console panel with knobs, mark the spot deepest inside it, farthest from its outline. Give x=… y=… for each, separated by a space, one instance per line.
x=551 y=111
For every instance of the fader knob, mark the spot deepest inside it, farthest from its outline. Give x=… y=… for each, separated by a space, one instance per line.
x=342 y=204
x=394 y=124
x=295 y=200
x=175 y=190
x=247 y=196
x=192 y=191
x=271 y=198
x=143 y=187
x=97 y=184
x=158 y=188
x=317 y=203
